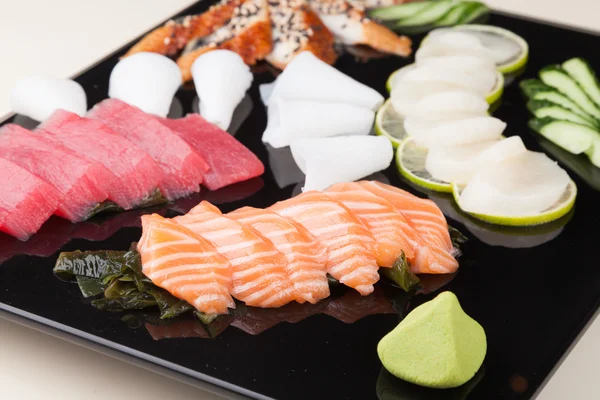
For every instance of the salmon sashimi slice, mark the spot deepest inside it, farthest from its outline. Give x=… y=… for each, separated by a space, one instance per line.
x=258 y=269
x=306 y=257
x=392 y=232
x=351 y=246
x=436 y=256
x=185 y=264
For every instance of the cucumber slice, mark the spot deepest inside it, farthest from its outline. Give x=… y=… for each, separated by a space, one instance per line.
x=542 y=109
x=593 y=152
x=455 y=15
x=574 y=138
x=429 y=15
x=584 y=75
x=559 y=79
x=399 y=11
x=578 y=164
x=538 y=90
x=473 y=12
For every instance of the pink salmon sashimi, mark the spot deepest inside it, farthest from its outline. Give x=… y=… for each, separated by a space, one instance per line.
x=185 y=264
x=230 y=161
x=183 y=168
x=306 y=256
x=26 y=202
x=392 y=232
x=435 y=255
x=135 y=175
x=350 y=243
x=82 y=183
x=259 y=270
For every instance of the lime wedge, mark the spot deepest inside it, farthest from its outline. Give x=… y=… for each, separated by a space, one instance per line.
x=492 y=38
x=558 y=210
x=410 y=162
x=493 y=96
x=390 y=124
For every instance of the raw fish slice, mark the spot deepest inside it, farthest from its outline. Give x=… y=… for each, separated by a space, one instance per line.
x=185 y=264
x=478 y=82
x=352 y=255
x=26 y=201
x=326 y=161
x=283 y=167
x=81 y=183
x=306 y=257
x=465 y=63
x=449 y=42
x=406 y=96
x=183 y=169
x=38 y=97
x=259 y=274
x=296 y=119
x=446 y=104
x=435 y=254
x=454 y=132
x=393 y=235
x=135 y=175
x=308 y=78
x=350 y=25
x=229 y=160
x=519 y=186
x=147 y=81
x=351 y=307
x=247 y=32
x=221 y=80
x=297 y=28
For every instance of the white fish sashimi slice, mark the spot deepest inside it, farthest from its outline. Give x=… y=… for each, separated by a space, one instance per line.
x=405 y=96
x=326 y=161
x=502 y=48
x=309 y=78
x=519 y=186
x=38 y=97
x=451 y=102
x=479 y=68
x=435 y=133
x=222 y=79
x=296 y=119
x=265 y=91
x=474 y=81
x=443 y=50
x=147 y=81
x=458 y=164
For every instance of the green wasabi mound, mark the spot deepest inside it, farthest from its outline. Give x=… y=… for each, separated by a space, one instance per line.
x=437 y=345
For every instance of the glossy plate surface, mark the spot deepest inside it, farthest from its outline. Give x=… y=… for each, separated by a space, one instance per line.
x=532 y=290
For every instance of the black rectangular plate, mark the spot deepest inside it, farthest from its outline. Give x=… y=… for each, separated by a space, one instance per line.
x=532 y=302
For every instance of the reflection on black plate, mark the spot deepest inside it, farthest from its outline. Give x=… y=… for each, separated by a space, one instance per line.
x=283 y=167
x=25 y=122
x=176 y=110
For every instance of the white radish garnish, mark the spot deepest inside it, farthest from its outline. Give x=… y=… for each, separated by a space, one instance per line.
x=435 y=133
x=519 y=186
x=38 y=97
x=147 y=81
x=309 y=78
x=458 y=164
x=474 y=82
x=222 y=79
x=289 y=120
x=326 y=161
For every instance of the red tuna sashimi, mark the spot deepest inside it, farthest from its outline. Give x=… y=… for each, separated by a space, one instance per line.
x=82 y=183
x=229 y=160
x=135 y=175
x=183 y=168
x=26 y=201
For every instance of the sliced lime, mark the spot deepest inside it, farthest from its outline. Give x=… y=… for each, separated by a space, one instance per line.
x=390 y=124
x=410 y=162
x=558 y=210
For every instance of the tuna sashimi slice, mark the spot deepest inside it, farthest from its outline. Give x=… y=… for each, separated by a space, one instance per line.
x=82 y=183
x=185 y=264
x=306 y=256
x=26 y=201
x=351 y=246
x=435 y=255
x=183 y=168
x=259 y=270
x=392 y=232
x=135 y=175
x=230 y=161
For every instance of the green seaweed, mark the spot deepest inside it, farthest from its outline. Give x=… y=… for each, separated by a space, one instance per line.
x=134 y=301
x=401 y=275
x=90 y=287
x=101 y=265
x=457 y=239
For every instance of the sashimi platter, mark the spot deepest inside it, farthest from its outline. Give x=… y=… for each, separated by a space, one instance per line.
x=329 y=199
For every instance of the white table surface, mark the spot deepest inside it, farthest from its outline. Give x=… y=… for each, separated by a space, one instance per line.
x=63 y=37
